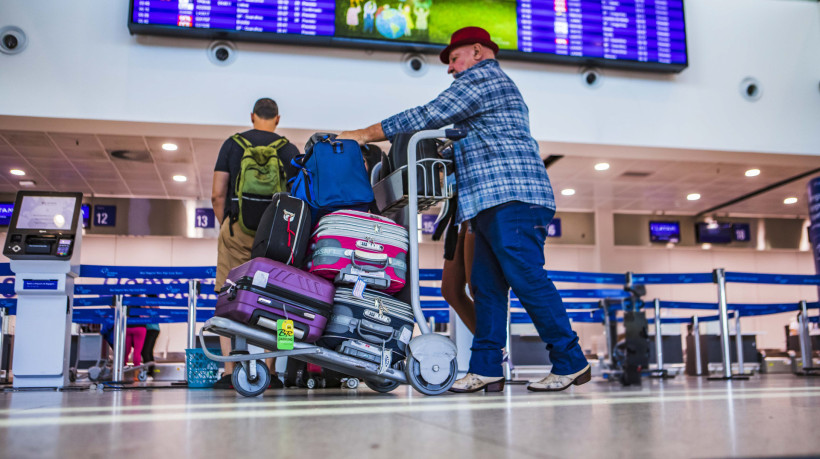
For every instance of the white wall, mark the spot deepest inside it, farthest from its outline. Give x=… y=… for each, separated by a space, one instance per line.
x=81 y=63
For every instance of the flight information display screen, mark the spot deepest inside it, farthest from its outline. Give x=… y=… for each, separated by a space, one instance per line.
x=643 y=34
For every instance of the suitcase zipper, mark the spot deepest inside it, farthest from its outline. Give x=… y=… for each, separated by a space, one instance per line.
x=346 y=231
x=376 y=303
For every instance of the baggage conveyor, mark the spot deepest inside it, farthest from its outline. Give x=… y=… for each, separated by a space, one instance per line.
x=430 y=366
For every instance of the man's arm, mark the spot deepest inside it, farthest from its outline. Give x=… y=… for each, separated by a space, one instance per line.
x=219 y=194
x=369 y=134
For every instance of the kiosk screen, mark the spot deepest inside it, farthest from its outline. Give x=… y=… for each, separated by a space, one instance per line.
x=46 y=213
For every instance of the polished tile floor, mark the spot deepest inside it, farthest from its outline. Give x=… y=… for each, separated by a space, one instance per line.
x=774 y=415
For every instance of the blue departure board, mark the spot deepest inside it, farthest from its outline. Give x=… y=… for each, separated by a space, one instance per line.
x=638 y=34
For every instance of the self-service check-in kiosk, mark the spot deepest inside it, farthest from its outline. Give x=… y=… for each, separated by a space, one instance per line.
x=43 y=244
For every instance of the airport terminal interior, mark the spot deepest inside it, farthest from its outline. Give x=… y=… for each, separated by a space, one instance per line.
x=681 y=140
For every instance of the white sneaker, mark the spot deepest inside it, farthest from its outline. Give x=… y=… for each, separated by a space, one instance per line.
x=474 y=383
x=555 y=383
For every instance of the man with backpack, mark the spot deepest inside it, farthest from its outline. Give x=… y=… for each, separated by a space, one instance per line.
x=250 y=169
x=505 y=194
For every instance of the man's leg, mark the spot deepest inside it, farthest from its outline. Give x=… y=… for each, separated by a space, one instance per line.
x=519 y=231
x=491 y=296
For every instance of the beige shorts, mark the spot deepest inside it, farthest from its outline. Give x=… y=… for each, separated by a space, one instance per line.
x=232 y=251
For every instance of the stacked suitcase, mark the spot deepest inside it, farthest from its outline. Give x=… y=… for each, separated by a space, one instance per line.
x=334 y=279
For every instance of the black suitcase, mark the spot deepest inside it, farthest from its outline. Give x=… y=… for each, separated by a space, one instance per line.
x=378 y=319
x=284 y=231
x=425 y=149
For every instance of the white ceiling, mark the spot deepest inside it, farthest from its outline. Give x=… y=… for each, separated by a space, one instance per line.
x=74 y=155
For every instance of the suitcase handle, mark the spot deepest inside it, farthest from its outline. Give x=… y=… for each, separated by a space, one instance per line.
x=378 y=333
x=370 y=258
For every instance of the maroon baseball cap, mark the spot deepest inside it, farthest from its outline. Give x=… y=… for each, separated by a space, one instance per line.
x=467 y=36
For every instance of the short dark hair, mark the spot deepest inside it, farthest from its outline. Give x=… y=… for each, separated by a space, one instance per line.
x=266 y=109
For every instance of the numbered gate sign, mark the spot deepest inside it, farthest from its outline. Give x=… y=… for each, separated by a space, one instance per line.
x=204 y=218
x=105 y=215
x=428 y=224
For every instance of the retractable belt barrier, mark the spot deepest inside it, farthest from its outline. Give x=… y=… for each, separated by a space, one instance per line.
x=144 y=310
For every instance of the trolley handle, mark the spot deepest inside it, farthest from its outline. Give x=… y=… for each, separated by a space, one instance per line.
x=455 y=134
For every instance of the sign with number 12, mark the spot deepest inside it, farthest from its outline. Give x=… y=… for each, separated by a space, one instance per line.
x=105 y=215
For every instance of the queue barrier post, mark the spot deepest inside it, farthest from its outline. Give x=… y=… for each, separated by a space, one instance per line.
x=120 y=325
x=805 y=342
x=719 y=276
x=739 y=344
x=696 y=336
x=2 y=337
x=193 y=293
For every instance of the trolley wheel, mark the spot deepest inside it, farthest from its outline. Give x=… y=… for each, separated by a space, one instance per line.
x=415 y=378
x=352 y=383
x=245 y=386
x=311 y=383
x=382 y=387
x=94 y=373
x=72 y=374
x=142 y=375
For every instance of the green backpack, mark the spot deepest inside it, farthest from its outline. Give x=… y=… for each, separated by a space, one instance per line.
x=261 y=175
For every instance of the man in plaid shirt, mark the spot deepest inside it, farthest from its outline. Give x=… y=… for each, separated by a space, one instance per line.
x=505 y=194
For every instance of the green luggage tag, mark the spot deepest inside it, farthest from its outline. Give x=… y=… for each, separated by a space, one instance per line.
x=284 y=334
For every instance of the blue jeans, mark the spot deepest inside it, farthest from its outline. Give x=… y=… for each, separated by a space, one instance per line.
x=509 y=253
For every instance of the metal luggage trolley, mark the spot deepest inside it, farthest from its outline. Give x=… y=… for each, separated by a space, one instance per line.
x=430 y=366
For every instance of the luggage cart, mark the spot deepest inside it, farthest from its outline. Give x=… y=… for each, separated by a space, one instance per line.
x=430 y=366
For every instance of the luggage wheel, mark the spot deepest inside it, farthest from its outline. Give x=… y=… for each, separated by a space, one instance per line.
x=247 y=385
x=419 y=370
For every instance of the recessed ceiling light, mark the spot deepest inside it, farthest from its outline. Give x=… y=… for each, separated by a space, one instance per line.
x=791 y=200
x=602 y=166
x=17 y=172
x=27 y=183
x=752 y=172
x=568 y=192
x=693 y=196
x=169 y=147
x=180 y=178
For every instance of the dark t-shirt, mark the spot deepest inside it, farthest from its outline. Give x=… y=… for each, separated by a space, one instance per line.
x=230 y=157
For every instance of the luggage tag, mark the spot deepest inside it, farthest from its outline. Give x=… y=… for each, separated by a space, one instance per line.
x=385 y=360
x=284 y=334
x=358 y=289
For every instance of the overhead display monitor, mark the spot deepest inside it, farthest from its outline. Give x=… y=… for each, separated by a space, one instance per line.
x=664 y=231
x=637 y=34
x=713 y=233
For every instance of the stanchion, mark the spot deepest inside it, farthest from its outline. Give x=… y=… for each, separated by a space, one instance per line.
x=608 y=334
x=659 y=372
x=805 y=343
x=739 y=344
x=120 y=324
x=696 y=336
x=193 y=293
x=2 y=337
x=719 y=276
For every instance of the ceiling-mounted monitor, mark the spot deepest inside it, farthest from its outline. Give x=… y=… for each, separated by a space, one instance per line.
x=634 y=34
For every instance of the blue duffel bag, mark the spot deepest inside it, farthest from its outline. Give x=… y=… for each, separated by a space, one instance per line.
x=332 y=176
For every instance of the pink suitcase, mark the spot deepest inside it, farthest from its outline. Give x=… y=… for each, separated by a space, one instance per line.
x=262 y=291
x=348 y=245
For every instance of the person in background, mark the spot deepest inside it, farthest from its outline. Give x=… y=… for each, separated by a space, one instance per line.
x=134 y=340
x=151 y=334
x=234 y=245
x=504 y=192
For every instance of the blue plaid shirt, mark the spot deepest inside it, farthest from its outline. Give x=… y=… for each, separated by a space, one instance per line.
x=498 y=161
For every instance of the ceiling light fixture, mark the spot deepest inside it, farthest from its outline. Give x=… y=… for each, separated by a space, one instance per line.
x=170 y=147
x=27 y=183
x=791 y=200
x=602 y=166
x=693 y=196
x=752 y=172
x=568 y=192
x=17 y=172
x=180 y=178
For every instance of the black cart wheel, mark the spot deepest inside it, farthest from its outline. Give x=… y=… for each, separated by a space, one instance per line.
x=413 y=370
x=142 y=375
x=243 y=384
x=383 y=387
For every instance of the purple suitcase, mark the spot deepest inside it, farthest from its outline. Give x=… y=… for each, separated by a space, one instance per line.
x=262 y=291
